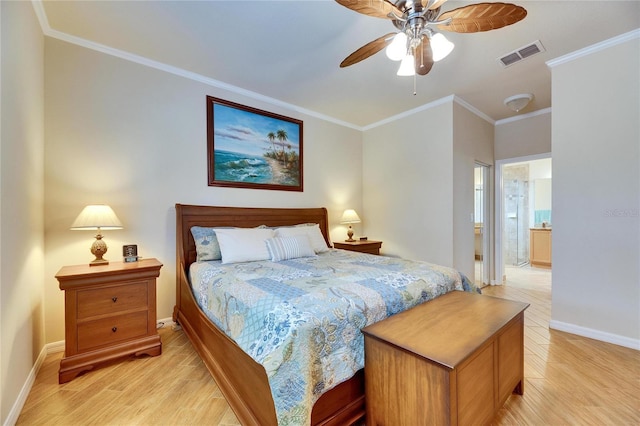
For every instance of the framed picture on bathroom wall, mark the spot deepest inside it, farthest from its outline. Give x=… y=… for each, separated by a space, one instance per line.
x=252 y=148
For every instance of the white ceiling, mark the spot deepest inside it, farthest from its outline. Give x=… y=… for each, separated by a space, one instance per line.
x=291 y=50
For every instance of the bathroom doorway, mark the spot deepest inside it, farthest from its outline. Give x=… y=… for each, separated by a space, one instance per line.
x=523 y=205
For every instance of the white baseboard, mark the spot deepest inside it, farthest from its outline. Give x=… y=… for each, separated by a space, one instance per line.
x=49 y=348
x=12 y=418
x=616 y=339
x=54 y=347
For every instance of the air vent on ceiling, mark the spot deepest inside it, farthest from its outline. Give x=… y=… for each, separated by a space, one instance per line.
x=521 y=53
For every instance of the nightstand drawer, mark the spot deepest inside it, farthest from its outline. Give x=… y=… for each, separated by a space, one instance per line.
x=111 y=300
x=370 y=250
x=106 y=331
x=362 y=246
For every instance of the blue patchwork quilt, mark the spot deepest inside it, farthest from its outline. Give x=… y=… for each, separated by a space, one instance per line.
x=301 y=318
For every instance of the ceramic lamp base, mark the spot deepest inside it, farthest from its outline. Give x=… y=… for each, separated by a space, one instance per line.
x=98 y=249
x=350 y=235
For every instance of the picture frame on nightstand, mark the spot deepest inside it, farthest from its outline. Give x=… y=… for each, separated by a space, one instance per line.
x=130 y=253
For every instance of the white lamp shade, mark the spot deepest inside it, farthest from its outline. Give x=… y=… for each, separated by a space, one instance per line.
x=350 y=216
x=407 y=66
x=398 y=47
x=96 y=216
x=440 y=46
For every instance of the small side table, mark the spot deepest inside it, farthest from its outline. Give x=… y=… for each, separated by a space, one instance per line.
x=366 y=246
x=110 y=312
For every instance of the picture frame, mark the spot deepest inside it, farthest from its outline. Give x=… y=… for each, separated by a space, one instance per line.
x=130 y=253
x=251 y=148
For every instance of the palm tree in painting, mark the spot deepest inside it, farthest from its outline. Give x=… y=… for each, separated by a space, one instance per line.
x=282 y=137
x=282 y=151
x=272 y=137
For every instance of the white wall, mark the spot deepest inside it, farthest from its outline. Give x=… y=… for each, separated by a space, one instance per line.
x=408 y=185
x=21 y=210
x=522 y=137
x=540 y=169
x=418 y=183
x=542 y=195
x=472 y=141
x=596 y=194
x=134 y=137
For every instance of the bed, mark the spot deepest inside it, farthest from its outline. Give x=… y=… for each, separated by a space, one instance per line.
x=251 y=390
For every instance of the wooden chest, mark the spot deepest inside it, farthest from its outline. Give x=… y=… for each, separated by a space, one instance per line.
x=451 y=361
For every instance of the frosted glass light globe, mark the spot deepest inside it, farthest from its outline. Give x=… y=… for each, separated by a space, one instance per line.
x=407 y=66
x=398 y=47
x=440 y=46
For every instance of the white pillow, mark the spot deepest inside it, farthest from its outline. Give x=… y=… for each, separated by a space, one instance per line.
x=284 y=248
x=243 y=244
x=312 y=231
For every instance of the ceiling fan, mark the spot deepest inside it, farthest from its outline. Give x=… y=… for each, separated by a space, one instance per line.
x=417 y=44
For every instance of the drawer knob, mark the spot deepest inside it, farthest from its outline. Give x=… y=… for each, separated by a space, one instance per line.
x=114 y=329
x=115 y=299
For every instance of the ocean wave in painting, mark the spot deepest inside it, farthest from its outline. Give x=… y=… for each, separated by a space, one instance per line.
x=237 y=167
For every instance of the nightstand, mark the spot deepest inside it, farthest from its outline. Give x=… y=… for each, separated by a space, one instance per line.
x=367 y=246
x=110 y=312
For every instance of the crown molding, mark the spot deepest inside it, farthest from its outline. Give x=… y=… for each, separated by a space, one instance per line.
x=410 y=112
x=473 y=109
x=49 y=32
x=622 y=38
x=433 y=104
x=59 y=35
x=523 y=116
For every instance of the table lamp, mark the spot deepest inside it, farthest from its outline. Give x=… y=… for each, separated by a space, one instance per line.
x=350 y=216
x=97 y=217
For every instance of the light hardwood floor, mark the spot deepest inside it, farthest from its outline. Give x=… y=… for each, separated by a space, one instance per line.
x=569 y=380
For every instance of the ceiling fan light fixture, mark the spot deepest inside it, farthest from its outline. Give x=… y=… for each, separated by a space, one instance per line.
x=407 y=66
x=441 y=47
x=416 y=20
x=518 y=102
x=397 y=50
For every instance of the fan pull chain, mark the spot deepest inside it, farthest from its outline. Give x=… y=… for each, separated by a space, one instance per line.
x=415 y=92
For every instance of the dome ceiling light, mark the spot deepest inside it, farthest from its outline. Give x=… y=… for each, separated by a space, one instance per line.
x=518 y=102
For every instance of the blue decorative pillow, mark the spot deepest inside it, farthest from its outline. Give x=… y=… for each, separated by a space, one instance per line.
x=207 y=246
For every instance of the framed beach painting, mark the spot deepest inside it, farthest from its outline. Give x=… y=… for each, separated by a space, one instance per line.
x=251 y=148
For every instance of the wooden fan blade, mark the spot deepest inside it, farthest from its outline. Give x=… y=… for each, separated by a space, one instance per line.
x=367 y=50
x=375 y=8
x=482 y=17
x=423 y=56
x=434 y=6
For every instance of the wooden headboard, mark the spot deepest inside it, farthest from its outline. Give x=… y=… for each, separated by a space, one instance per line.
x=241 y=217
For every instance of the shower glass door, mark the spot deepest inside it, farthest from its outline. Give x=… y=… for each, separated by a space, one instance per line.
x=516 y=214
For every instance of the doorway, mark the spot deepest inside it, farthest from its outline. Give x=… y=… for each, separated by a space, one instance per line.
x=481 y=224
x=523 y=206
